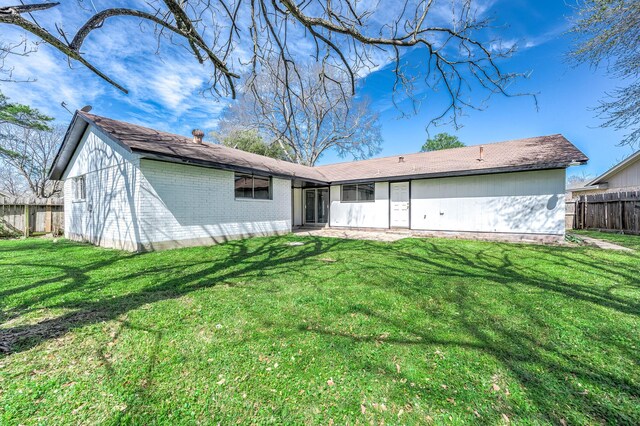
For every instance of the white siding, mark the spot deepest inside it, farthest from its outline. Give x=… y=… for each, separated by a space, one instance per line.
x=629 y=177
x=297 y=206
x=361 y=215
x=107 y=216
x=133 y=203
x=525 y=202
x=184 y=205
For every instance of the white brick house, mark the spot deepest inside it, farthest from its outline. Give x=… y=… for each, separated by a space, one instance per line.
x=135 y=188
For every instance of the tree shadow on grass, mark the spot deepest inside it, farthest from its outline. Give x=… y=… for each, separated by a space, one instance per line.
x=548 y=377
x=546 y=373
x=551 y=379
x=495 y=264
x=253 y=259
x=140 y=394
x=549 y=373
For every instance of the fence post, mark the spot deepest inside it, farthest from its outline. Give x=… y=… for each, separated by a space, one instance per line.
x=621 y=213
x=26 y=220
x=48 y=217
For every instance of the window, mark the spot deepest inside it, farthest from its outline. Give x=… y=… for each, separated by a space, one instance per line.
x=79 y=189
x=360 y=192
x=254 y=187
x=349 y=193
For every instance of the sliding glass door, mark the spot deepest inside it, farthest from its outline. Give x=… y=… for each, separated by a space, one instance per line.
x=310 y=206
x=316 y=206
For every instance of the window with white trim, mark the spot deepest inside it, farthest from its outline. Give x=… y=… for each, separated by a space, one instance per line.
x=358 y=193
x=79 y=188
x=252 y=187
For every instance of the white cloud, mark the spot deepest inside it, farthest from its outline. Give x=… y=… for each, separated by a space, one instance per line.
x=502 y=46
x=164 y=89
x=546 y=37
x=166 y=84
x=52 y=84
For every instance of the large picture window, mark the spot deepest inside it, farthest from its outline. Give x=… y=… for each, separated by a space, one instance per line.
x=252 y=187
x=358 y=192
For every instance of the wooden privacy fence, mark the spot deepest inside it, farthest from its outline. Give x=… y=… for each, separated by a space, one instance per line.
x=615 y=211
x=28 y=216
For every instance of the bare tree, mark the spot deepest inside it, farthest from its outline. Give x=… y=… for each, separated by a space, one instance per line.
x=20 y=48
x=317 y=118
x=608 y=31
x=11 y=182
x=579 y=180
x=25 y=157
x=351 y=36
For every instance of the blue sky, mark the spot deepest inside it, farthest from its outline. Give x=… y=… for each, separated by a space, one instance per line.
x=164 y=87
x=566 y=94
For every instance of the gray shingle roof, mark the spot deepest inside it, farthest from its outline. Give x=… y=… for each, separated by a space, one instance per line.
x=537 y=153
x=155 y=143
x=542 y=152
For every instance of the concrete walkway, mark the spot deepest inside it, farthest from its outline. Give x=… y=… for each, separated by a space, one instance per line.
x=603 y=244
x=391 y=236
x=352 y=234
x=398 y=234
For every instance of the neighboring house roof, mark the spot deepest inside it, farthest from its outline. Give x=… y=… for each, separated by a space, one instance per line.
x=545 y=152
x=603 y=178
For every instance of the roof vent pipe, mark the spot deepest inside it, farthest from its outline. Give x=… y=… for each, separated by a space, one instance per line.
x=481 y=158
x=400 y=159
x=197 y=136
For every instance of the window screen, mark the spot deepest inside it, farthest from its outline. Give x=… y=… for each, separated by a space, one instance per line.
x=254 y=187
x=79 y=188
x=244 y=186
x=360 y=192
x=349 y=193
x=366 y=192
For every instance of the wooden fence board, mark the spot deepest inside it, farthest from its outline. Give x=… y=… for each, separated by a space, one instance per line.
x=615 y=211
x=27 y=215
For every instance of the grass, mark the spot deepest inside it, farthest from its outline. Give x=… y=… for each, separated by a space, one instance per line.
x=630 y=241
x=333 y=331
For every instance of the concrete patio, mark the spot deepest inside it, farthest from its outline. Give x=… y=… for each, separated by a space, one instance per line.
x=351 y=234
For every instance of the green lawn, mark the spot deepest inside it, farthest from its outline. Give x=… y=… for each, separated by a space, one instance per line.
x=631 y=241
x=342 y=331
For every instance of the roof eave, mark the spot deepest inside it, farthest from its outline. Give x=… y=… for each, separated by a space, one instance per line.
x=70 y=142
x=615 y=169
x=221 y=166
x=509 y=169
x=589 y=188
x=67 y=148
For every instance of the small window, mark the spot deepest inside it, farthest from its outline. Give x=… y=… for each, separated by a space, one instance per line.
x=252 y=187
x=244 y=186
x=350 y=193
x=79 y=188
x=261 y=188
x=361 y=192
x=367 y=192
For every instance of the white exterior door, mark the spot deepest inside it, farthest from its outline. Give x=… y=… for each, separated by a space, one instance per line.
x=399 y=205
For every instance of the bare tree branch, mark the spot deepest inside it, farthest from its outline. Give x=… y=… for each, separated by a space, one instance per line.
x=609 y=31
x=310 y=123
x=350 y=39
x=26 y=155
x=20 y=48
